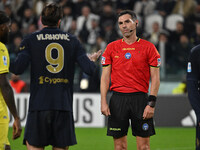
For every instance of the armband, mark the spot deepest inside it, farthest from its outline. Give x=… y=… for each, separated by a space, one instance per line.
x=152 y=101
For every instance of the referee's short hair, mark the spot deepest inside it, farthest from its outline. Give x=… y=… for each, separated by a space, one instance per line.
x=130 y=12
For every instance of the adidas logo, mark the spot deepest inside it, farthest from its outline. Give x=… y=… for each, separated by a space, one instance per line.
x=189 y=120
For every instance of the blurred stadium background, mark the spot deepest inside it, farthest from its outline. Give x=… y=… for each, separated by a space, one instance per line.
x=173 y=26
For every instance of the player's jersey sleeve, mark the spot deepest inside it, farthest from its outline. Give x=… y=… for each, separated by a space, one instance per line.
x=153 y=56
x=4 y=59
x=82 y=59
x=106 y=57
x=193 y=78
x=23 y=58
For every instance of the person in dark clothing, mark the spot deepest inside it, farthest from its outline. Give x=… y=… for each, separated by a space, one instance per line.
x=52 y=54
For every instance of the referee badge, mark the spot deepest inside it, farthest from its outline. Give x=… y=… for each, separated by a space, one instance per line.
x=145 y=126
x=103 y=60
x=159 y=62
x=128 y=55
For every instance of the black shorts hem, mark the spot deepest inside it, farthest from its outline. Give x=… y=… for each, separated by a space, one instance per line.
x=24 y=143
x=117 y=136
x=146 y=135
x=30 y=143
x=65 y=145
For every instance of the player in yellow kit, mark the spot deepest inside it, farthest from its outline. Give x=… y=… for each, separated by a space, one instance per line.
x=4 y=120
x=6 y=93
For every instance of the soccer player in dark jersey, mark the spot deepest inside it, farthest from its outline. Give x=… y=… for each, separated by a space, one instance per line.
x=52 y=54
x=193 y=80
x=6 y=92
x=130 y=63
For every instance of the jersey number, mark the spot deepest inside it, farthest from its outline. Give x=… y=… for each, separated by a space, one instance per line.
x=55 y=64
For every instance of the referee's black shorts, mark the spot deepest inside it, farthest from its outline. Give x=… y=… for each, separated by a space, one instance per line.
x=54 y=128
x=125 y=107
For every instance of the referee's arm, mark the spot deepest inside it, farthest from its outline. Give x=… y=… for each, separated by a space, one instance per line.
x=105 y=81
x=155 y=83
x=155 y=80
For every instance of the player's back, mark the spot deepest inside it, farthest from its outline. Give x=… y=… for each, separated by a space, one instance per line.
x=53 y=54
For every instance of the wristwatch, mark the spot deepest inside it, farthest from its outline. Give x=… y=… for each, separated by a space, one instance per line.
x=151 y=104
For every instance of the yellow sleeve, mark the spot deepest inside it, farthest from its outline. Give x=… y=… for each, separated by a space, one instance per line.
x=4 y=59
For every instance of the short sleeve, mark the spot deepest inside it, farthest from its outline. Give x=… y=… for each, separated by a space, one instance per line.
x=4 y=60
x=106 y=57
x=154 y=59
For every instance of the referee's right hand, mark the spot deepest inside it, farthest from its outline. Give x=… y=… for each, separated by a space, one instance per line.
x=105 y=109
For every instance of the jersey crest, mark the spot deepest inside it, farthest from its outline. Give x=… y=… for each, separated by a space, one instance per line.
x=128 y=55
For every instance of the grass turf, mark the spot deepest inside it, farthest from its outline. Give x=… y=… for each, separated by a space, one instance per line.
x=96 y=139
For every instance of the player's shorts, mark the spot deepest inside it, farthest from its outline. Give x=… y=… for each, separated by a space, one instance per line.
x=125 y=107
x=54 y=128
x=4 y=135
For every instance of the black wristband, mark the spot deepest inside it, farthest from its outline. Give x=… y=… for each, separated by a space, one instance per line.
x=152 y=101
x=152 y=98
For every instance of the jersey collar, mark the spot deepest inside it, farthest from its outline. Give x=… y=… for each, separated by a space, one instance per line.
x=138 y=39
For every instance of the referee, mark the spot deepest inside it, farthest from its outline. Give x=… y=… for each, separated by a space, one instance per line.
x=193 y=78
x=130 y=63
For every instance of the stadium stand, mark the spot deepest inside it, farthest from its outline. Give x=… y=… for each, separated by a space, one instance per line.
x=25 y=19
x=171 y=20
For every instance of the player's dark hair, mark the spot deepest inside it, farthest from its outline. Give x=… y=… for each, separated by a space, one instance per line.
x=3 y=18
x=130 y=12
x=51 y=14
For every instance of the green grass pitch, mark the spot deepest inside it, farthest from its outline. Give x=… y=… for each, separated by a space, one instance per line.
x=96 y=139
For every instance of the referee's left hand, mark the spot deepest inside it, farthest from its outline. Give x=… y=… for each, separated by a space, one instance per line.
x=148 y=112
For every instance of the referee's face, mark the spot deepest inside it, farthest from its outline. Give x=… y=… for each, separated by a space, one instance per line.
x=127 y=25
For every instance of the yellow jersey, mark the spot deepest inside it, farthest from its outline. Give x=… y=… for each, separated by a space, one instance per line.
x=4 y=68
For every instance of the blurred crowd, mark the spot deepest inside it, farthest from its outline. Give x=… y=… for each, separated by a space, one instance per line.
x=94 y=22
